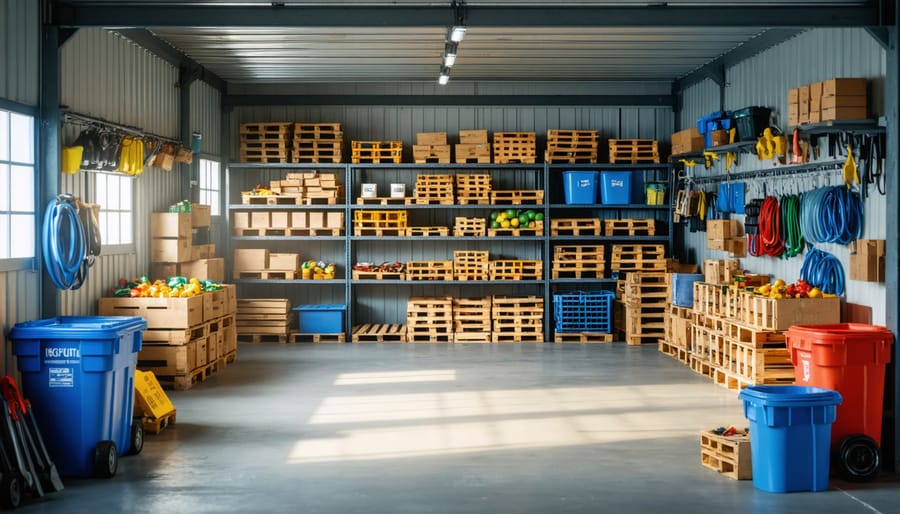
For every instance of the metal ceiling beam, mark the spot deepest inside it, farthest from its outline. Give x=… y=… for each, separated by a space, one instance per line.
x=170 y=54
x=428 y=100
x=714 y=69
x=199 y=16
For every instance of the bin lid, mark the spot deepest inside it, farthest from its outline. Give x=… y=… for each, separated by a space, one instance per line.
x=790 y=396
x=843 y=329
x=321 y=307
x=78 y=327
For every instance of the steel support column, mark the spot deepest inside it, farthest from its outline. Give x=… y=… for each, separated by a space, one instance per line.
x=186 y=77
x=891 y=432
x=49 y=148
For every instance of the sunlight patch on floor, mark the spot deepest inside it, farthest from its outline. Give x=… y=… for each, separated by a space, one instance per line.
x=396 y=377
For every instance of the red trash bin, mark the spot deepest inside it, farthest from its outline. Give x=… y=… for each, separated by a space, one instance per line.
x=849 y=358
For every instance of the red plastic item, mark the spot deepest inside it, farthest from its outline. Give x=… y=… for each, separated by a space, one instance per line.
x=849 y=358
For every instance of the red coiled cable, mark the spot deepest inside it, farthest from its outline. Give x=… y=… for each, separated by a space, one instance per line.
x=770 y=228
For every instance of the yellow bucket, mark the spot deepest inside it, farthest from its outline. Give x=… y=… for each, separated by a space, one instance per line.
x=71 y=159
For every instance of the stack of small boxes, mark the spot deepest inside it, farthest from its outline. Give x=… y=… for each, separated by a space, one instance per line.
x=829 y=100
x=473 y=147
x=726 y=235
x=431 y=147
x=175 y=248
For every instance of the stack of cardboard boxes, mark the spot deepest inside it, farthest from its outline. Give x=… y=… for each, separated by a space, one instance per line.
x=174 y=247
x=829 y=100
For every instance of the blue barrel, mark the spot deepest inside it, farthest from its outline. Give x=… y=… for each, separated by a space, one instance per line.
x=78 y=373
x=790 y=436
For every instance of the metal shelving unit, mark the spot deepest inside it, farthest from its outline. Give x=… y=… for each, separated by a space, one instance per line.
x=541 y=176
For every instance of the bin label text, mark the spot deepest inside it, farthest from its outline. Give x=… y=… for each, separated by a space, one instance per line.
x=67 y=353
x=61 y=377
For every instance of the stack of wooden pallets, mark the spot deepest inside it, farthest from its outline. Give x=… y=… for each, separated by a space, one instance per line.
x=515 y=147
x=579 y=261
x=469 y=227
x=473 y=189
x=433 y=189
x=633 y=151
x=264 y=319
x=646 y=295
x=318 y=142
x=376 y=152
x=472 y=320
x=429 y=320
x=517 y=319
x=265 y=142
x=429 y=270
x=379 y=223
x=638 y=258
x=516 y=269
x=572 y=146
x=471 y=265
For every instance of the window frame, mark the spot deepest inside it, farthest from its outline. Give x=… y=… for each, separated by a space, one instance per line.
x=200 y=189
x=27 y=263
x=116 y=249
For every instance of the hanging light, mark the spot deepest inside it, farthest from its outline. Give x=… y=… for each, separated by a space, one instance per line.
x=457 y=33
x=450 y=54
x=445 y=76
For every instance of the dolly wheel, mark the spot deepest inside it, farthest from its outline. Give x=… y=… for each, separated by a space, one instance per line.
x=106 y=459
x=858 y=458
x=11 y=490
x=137 y=437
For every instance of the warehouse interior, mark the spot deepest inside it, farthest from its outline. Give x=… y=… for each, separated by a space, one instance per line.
x=529 y=426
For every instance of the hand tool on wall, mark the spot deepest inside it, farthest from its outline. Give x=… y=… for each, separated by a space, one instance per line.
x=850 y=170
x=711 y=158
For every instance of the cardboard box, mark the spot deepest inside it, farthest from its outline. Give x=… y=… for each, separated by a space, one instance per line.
x=284 y=261
x=280 y=219
x=241 y=220
x=867 y=260
x=299 y=220
x=816 y=91
x=164 y=270
x=230 y=298
x=716 y=244
x=803 y=96
x=250 y=259
x=815 y=114
x=844 y=86
x=334 y=220
x=205 y=251
x=260 y=220
x=316 y=219
x=832 y=102
x=736 y=246
x=688 y=140
x=794 y=96
x=170 y=250
x=205 y=269
x=723 y=229
x=845 y=113
x=473 y=137
x=201 y=215
x=431 y=138
x=170 y=224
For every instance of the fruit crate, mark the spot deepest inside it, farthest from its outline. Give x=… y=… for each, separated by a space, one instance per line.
x=780 y=314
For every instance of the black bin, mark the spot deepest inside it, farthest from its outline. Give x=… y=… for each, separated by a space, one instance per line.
x=750 y=122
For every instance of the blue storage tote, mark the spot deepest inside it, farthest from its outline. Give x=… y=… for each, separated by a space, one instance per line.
x=580 y=187
x=78 y=373
x=790 y=436
x=320 y=319
x=615 y=187
x=683 y=288
x=583 y=311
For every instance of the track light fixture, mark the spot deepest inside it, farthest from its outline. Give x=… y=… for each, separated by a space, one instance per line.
x=457 y=33
x=445 y=76
x=451 y=44
x=450 y=54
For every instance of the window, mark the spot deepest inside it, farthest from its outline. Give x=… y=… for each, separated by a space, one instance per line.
x=210 y=186
x=17 y=183
x=114 y=194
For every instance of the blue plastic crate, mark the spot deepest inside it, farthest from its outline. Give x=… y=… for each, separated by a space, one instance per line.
x=683 y=288
x=790 y=436
x=615 y=187
x=580 y=187
x=321 y=318
x=78 y=373
x=583 y=312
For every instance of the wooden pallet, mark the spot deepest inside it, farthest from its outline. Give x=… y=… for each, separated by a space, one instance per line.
x=472 y=315
x=431 y=198
x=567 y=269
x=423 y=154
x=184 y=382
x=537 y=230
x=379 y=333
x=156 y=425
x=582 y=337
x=473 y=189
x=379 y=232
x=700 y=366
x=516 y=269
x=427 y=231
x=382 y=201
x=727 y=455
x=736 y=381
x=267 y=274
x=471 y=265
x=176 y=336
x=429 y=270
x=431 y=307
x=515 y=147
x=520 y=197
x=469 y=227
x=248 y=199
x=380 y=219
x=260 y=232
x=472 y=337
x=320 y=153
x=317 y=131
x=376 y=152
x=572 y=137
x=517 y=337
x=639 y=339
x=429 y=338
x=576 y=227
x=677 y=353
x=473 y=198
x=378 y=275
x=265 y=128
x=257 y=338
x=570 y=156
x=315 y=232
x=297 y=337
x=633 y=151
x=275 y=158
x=630 y=227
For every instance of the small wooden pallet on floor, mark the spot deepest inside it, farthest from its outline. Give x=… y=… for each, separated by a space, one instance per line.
x=582 y=337
x=517 y=337
x=472 y=337
x=379 y=333
x=297 y=337
x=156 y=425
x=727 y=455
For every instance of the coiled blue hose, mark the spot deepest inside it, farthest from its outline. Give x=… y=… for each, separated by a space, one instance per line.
x=831 y=214
x=823 y=270
x=63 y=243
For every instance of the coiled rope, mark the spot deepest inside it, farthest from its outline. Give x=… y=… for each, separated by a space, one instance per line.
x=823 y=270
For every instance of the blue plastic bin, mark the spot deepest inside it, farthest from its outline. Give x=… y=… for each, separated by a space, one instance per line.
x=78 y=373
x=615 y=187
x=320 y=319
x=683 y=288
x=790 y=436
x=583 y=311
x=580 y=187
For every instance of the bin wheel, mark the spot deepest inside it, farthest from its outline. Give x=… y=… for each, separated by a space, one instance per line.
x=858 y=458
x=137 y=437
x=12 y=488
x=106 y=459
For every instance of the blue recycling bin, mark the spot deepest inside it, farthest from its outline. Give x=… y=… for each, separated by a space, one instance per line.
x=78 y=373
x=790 y=436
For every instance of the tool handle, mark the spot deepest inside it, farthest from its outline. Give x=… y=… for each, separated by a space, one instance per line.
x=13 y=396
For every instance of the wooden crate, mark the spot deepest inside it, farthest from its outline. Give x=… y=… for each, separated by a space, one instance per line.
x=633 y=151
x=433 y=189
x=578 y=261
x=638 y=258
x=159 y=312
x=429 y=270
x=318 y=131
x=261 y=319
x=727 y=455
x=472 y=315
x=431 y=138
x=515 y=147
x=537 y=231
x=630 y=227
x=520 y=197
x=773 y=314
x=582 y=337
x=516 y=269
x=473 y=189
x=427 y=231
x=471 y=265
x=469 y=227
x=423 y=154
x=376 y=152
x=466 y=153
x=379 y=333
x=576 y=227
x=379 y=223
x=475 y=136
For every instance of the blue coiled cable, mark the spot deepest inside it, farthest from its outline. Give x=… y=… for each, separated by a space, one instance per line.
x=823 y=270
x=63 y=243
x=831 y=214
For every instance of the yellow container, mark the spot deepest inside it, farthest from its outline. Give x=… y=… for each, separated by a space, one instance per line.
x=149 y=398
x=71 y=159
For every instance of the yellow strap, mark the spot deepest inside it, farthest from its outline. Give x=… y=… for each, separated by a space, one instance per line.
x=701 y=206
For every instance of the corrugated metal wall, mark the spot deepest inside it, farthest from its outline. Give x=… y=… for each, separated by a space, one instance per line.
x=19 y=81
x=19 y=50
x=109 y=77
x=764 y=80
x=206 y=116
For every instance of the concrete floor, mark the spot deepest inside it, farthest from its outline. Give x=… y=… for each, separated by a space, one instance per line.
x=446 y=429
